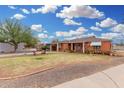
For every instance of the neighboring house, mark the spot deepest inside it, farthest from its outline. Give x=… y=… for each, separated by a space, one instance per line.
x=84 y=45
x=118 y=47
x=118 y=50
x=7 y=48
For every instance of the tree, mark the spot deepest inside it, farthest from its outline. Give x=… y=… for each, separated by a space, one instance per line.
x=29 y=39
x=13 y=33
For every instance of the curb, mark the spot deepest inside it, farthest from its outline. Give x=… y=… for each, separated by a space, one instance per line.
x=20 y=76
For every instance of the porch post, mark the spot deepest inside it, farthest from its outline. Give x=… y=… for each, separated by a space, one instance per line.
x=71 y=46
x=83 y=47
x=75 y=47
x=50 y=47
x=57 y=47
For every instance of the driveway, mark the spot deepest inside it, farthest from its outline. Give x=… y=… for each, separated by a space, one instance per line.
x=61 y=74
x=110 y=78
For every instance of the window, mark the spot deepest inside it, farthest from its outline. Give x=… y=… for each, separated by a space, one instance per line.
x=97 y=47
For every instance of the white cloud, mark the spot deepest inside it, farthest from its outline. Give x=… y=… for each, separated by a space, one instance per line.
x=12 y=7
x=61 y=33
x=76 y=11
x=95 y=28
x=45 y=31
x=80 y=36
x=18 y=16
x=89 y=34
x=25 y=11
x=118 y=28
x=70 y=33
x=51 y=37
x=71 y=22
x=37 y=27
x=45 y=9
x=110 y=35
x=33 y=10
x=108 y=22
x=97 y=23
x=49 y=8
x=42 y=35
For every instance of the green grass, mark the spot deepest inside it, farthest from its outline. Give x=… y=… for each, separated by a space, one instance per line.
x=13 y=66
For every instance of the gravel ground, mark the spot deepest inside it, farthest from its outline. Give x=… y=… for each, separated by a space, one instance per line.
x=60 y=74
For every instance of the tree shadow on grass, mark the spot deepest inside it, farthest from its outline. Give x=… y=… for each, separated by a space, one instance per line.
x=39 y=58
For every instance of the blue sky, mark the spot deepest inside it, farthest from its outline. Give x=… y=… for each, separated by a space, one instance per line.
x=69 y=22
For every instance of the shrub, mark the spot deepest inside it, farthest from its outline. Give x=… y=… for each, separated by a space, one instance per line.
x=44 y=48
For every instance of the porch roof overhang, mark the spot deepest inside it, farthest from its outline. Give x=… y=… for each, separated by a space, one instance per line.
x=82 y=40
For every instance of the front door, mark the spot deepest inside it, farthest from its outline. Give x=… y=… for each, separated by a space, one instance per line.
x=78 y=47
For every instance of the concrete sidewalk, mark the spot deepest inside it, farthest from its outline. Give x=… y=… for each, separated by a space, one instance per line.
x=19 y=54
x=14 y=54
x=111 y=78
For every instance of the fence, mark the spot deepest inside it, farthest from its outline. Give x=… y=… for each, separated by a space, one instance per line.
x=7 y=48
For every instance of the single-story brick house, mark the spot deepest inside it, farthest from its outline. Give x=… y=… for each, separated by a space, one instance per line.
x=84 y=45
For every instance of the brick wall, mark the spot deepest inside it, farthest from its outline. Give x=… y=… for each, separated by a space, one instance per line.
x=64 y=47
x=106 y=46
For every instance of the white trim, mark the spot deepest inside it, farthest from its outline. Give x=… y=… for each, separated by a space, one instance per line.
x=83 y=47
x=96 y=44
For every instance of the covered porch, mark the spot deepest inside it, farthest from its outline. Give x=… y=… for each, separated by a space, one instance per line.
x=77 y=47
x=82 y=47
x=72 y=47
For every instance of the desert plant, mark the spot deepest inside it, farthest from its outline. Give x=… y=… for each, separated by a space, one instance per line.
x=13 y=33
x=44 y=48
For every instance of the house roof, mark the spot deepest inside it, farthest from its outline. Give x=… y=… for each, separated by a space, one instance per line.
x=86 y=39
x=55 y=41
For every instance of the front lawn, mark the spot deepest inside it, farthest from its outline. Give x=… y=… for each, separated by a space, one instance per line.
x=14 y=66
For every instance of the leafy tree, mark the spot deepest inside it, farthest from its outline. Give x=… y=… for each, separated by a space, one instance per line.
x=13 y=32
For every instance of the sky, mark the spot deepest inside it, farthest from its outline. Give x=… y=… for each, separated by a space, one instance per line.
x=66 y=22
